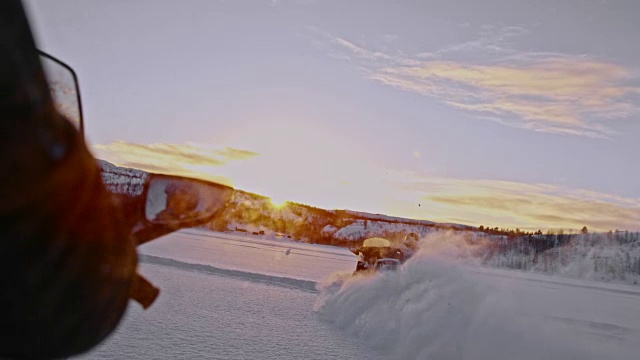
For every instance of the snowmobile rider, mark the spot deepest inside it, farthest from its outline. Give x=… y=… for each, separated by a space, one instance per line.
x=67 y=263
x=361 y=264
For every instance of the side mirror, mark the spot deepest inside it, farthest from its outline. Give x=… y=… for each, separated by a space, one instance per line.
x=179 y=202
x=65 y=91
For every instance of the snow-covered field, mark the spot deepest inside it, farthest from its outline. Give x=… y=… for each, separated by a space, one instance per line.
x=226 y=296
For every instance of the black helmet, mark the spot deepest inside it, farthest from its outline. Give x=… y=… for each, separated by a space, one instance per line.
x=66 y=264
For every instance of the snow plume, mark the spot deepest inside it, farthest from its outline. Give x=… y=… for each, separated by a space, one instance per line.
x=452 y=245
x=437 y=307
x=424 y=311
x=600 y=257
x=427 y=310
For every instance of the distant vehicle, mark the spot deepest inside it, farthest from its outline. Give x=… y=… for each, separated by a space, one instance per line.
x=387 y=264
x=377 y=249
x=256 y=233
x=261 y=232
x=240 y=229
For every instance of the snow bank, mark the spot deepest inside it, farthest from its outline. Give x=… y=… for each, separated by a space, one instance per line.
x=435 y=307
x=299 y=284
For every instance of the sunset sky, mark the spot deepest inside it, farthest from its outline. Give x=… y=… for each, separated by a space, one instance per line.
x=501 y=113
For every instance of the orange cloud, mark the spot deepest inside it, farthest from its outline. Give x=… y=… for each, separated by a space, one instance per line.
x=345 y=183
x=544 y=92
x=527 y=206
x=229 y=153
x=548 y=95
x=303 y=169
x=179 y=159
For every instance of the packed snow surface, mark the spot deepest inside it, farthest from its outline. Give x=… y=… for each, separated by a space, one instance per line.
x=226 y=296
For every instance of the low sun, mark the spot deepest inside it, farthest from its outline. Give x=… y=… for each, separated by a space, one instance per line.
x=277 y=202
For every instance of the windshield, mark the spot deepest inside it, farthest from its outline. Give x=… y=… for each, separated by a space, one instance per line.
x=487 y=147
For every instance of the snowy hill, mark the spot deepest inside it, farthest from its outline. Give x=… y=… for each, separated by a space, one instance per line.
x=255 y=213
x=600 y=256
x=360 y=229
x=381 y=217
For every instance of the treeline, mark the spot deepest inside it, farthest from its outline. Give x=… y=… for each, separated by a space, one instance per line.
x=302 y=222
x=611 y=255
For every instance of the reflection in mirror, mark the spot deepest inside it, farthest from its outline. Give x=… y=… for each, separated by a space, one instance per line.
x=64 y=89
x=175 y=200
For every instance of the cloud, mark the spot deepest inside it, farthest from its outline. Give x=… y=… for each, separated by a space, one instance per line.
x=538 y=91
x=389 y=37
x=562 y=95
x=487 y=202
x=527 y=206
x=336 y=46
x=492 y=39
x=274 y=3
x=179 y=159
x=229 y=153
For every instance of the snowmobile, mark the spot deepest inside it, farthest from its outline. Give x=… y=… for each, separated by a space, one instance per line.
x=378 y=253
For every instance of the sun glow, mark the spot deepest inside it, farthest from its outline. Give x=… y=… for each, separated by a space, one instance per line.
x=333 y=178
x=277 y=202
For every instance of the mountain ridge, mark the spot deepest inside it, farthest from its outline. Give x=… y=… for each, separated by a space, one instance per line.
x=255 y=213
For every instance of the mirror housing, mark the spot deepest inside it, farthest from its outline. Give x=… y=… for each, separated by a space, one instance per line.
x=64 y=88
